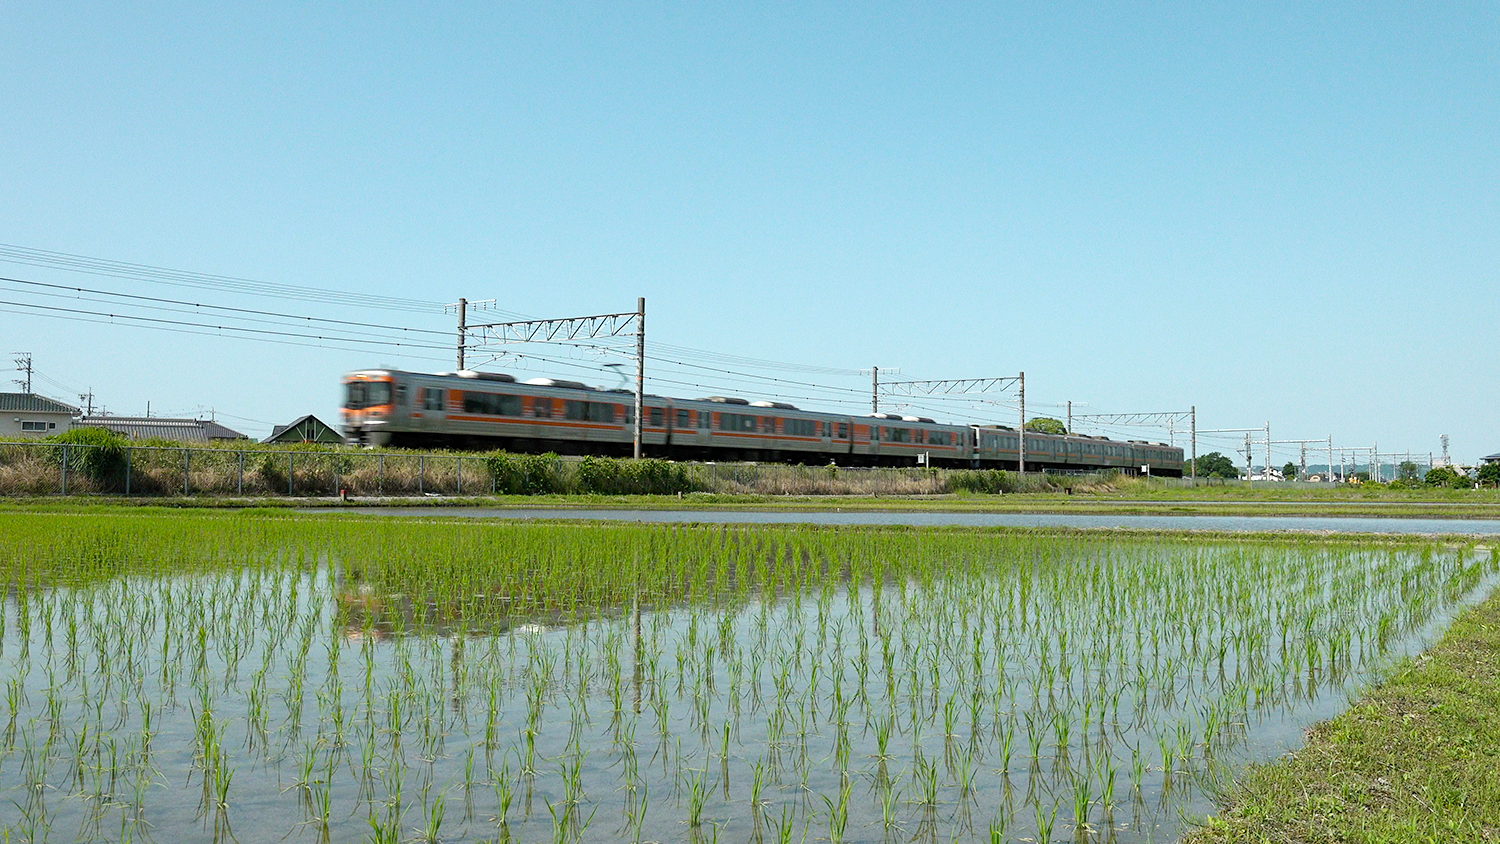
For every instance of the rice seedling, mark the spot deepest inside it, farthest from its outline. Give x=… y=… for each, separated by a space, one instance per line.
x=378 y=665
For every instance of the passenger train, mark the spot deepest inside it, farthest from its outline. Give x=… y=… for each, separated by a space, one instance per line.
x=469 y=409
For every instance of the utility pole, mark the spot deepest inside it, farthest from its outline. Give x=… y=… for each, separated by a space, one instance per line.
x=23 y=364
x=1375 y=462
x=1444 y=440
x=874 y=389
x=1249 y=456
x=1021 y=463
x=1070 y=417
x=87 y=399
x=463 y=312
x=1267 y=470
x=1193 y=415
x=640 y=371
x=1330 y=457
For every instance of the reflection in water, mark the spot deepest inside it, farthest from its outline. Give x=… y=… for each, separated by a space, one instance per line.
x=1321 y=524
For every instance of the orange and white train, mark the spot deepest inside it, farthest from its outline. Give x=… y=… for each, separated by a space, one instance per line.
x=483 y=410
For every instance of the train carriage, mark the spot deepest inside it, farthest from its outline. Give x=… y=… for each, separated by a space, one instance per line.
x=492 y=410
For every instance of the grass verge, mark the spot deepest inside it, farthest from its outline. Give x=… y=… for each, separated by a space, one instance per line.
x=1417 y=759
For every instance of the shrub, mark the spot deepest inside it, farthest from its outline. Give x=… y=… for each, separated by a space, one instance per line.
x=524 y=474
x=988 y=481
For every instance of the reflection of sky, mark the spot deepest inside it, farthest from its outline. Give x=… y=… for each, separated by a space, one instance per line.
x=1065 y=520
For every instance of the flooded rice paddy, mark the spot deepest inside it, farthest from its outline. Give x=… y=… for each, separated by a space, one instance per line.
x=267 y=678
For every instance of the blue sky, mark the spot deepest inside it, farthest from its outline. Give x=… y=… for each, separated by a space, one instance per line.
x=1282 y=213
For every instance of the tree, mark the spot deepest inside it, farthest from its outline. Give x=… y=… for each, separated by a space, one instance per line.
x=1044 y=425
x=1407 y=471
x=1446 y=476
x=1489 y=473
x=1289 y=471
x=1213 y=465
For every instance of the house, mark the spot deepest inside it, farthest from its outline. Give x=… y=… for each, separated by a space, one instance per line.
x=164 y=428
x=31 y=415
x=306 y=429
x=1493 y=458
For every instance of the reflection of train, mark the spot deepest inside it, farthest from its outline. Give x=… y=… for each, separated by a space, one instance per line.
x=491 y=410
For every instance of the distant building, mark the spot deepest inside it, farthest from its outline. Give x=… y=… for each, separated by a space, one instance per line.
x=31 y=415
x=307 y=429
x=163 y=428
x=1493 y=458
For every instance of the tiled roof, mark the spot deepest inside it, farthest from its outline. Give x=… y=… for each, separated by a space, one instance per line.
x=157 y=427
x=32 y=403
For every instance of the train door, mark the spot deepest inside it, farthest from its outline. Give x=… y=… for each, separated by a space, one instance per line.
x=428 y=408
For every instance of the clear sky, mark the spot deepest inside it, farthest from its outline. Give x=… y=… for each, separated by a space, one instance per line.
x=1282 y=213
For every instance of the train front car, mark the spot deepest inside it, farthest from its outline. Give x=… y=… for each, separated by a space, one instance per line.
x=369 y=413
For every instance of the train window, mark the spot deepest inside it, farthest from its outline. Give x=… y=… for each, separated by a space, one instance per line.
x=401 y=395
x=432 y=398
x=684 y=419
x=843 y=430
x=573 y=410
x=702 y=418
x=541 y=408
x=601 y=412
x=492 y=404
x=738 y=422
x=768 y=424
x=656 y=417
x=800 y=427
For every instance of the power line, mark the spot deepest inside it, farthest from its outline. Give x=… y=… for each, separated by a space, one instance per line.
x=225 y=308
x=179 y=322
x=70 y=262
x=107 y=320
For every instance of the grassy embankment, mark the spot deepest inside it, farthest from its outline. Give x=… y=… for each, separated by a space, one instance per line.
x=1416 y=759
x=1125 y=498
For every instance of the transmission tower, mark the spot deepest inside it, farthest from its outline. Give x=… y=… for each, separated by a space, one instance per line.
x=626 y=324
x=1161 y=419
x=955 y=386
